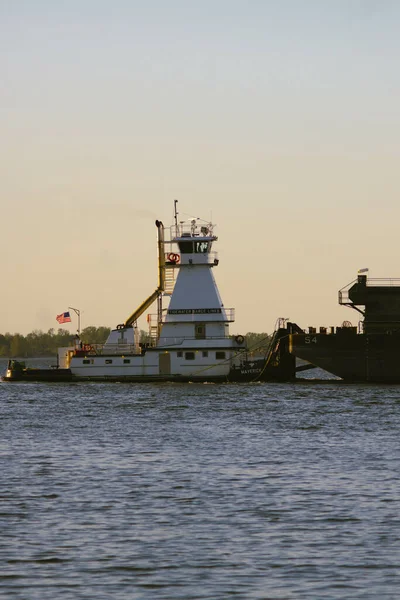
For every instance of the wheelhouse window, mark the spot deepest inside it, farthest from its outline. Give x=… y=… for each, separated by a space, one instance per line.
x=189 y=355
x=190 y=247
x=186 y=247
x=220 y=355
x=201 y=247
x=179 y=354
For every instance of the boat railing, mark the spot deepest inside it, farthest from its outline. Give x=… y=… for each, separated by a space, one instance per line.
x=173 y=260
x=193 y=315
x=191 y=228
x=129 y=349
x=119 y=349
x=180 y=341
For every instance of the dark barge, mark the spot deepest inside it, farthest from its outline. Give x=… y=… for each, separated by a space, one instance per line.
x=369 y=352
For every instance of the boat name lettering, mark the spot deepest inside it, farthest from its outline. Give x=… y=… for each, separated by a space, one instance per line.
x=194 y=311
x=310 y=340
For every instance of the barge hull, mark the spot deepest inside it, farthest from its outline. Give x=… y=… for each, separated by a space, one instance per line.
x=372 y=358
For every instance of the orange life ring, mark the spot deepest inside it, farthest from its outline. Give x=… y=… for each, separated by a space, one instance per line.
x=173 y=258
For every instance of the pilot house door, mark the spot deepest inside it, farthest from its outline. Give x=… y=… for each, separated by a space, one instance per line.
x=165 y=363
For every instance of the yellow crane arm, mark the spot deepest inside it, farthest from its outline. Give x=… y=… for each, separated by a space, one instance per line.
x=140 y=310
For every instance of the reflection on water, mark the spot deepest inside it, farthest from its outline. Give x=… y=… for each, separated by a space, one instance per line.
x=199 y=491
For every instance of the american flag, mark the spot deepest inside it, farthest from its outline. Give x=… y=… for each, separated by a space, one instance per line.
x=64 y=318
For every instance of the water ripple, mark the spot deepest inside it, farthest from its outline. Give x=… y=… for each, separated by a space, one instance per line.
x=190 y=492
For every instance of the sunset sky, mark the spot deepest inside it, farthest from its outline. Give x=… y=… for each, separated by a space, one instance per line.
x=278 y=119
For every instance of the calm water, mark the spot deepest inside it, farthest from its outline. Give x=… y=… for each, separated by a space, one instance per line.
x=267 y=491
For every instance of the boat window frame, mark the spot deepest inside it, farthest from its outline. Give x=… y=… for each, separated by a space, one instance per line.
x=200 y=331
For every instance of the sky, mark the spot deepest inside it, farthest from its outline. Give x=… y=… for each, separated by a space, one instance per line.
x=278 y=119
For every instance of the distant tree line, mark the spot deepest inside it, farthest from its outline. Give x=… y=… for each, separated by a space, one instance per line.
x=258 y=343
x=38 y=343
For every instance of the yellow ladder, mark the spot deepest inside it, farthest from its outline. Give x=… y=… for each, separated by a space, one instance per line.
x=169 y=280
x=154 y=333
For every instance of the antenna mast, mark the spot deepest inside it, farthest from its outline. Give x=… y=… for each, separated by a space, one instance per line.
x=176 y=216
x=78 y=312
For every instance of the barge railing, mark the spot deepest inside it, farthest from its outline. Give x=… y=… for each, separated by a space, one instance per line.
x=370 y=282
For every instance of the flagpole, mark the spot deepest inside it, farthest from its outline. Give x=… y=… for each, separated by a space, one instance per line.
x=78 y=312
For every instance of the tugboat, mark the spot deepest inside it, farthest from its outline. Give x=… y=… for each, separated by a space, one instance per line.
x=189 y=338
x=369 y=352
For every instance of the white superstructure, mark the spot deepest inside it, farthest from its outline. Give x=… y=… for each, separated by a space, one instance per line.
x=189 y=335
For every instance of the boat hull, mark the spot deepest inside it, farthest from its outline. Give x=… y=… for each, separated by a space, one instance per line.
x=49 y=375
x=277 y=365
x=249 y=371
